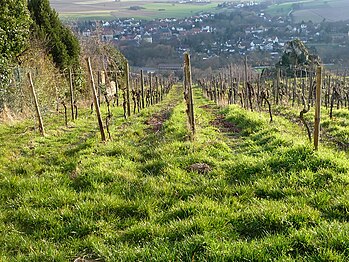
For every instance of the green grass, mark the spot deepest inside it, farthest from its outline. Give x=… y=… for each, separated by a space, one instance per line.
x=86 y=16
x=313 y=10
x=334 y=132
x=269 y=196
x=284 y=8
x=149 y=11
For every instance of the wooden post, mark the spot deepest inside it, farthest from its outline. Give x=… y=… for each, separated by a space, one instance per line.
x=156 y=89
x=99 y=87
x=116 y=90
x=231 y=85
x=245 y=85
x=142 y=89
x=189 y=92
x=150 y=88
x=328 y=90
x=294 y=89
x=128 y=89
x=71 y=94
x=65 y=114
x=277 y=88
x=38 y=114
x=95 y=100
x=317 y=107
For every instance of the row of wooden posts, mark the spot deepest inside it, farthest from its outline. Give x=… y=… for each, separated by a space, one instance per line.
x=232 y=87
x=292 y=90
x=217 y=89
x=241 y=85
x=141 y=95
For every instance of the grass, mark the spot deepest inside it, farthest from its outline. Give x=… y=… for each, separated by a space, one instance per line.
x=269 y=196
x=147 y=11
x=316 y=11
x=334 y=132
x=86 y=16
x=283 y=9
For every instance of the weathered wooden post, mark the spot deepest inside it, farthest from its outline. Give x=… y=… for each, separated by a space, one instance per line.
x=230 y=86
x=128 y=89
x=116 y=89
x=189 y=92
x=95 y=100
x=294 y=89
x=151 y=88
x=317 y=107
x=245 y=84
x=328 y=91
x=277 y=88
x=156 y=89
x=38 y=114
x=99 y=81
x=65 y=114
x=71 y=94
x=142 y=89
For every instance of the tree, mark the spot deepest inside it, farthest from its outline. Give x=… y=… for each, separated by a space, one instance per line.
x=14 y=30
x=61 y=42
x=297 y=55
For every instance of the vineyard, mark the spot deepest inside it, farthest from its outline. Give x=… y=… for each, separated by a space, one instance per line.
x=145 y=167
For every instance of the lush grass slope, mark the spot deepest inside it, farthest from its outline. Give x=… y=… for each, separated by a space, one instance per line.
x=334 y=132
x=268 y=197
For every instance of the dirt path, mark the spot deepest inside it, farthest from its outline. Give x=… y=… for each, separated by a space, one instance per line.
x=156 y=120
x=220 y=122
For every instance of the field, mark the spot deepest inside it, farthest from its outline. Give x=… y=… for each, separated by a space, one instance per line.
x=317 y=11
x=330 y=10
x=112 y=9
x=263 y=194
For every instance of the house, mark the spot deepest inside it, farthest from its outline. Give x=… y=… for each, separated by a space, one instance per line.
x=86 y=33
x=195 y=31
x=165 y=33
x=147 y=37
x=107 y=38
x=206 y=29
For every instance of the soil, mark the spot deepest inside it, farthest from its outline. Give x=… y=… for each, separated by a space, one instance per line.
x=157 y=120
x=220 y=122
x=224 y=125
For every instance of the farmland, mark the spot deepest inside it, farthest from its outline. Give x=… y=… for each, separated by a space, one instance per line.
x=123 y=9
x=316 y=11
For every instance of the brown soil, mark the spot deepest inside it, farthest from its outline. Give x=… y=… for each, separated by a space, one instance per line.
x=157 y=120
x=201 y=168
x=220 y=122
x=206 y=106
x=224 y=125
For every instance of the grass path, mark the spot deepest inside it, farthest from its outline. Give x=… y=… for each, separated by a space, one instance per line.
x=334 y=132
x=267 y=197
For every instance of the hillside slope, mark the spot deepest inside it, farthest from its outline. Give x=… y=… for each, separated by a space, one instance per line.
x=262 y=195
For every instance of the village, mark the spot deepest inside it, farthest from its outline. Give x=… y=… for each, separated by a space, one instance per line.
x=244 y=30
